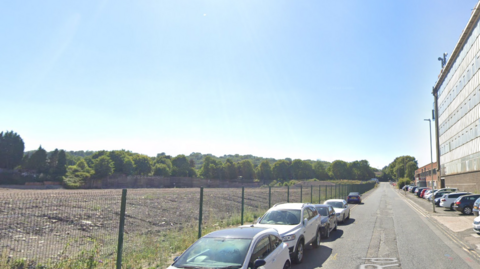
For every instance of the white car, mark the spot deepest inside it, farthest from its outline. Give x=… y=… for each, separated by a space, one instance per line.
x=476 y=225
x=297 y=223
x=342 y=211
x=448 y=199
x=242 y=248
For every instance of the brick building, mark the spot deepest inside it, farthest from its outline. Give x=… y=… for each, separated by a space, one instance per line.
x=423 y=175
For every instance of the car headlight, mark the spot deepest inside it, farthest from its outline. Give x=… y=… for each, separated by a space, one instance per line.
x=288 y=237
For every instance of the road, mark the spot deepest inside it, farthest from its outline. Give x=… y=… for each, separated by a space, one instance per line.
x=385 y=226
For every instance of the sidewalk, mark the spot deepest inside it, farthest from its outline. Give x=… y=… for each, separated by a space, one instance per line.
x=453 y=222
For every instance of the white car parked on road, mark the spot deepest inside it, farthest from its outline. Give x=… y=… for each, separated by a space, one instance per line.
x=448 y=199
x=297 y=223
x=342 y=211
x=242 y=248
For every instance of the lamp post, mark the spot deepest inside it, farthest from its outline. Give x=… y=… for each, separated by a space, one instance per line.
x=431 y=162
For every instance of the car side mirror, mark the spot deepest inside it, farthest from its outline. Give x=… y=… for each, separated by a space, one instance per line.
x=305 y=221
x=258 y=263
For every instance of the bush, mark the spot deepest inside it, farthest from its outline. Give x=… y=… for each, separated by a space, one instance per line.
x=273 y=183
x=402 y=182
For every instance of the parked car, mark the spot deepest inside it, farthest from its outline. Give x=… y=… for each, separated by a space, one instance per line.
x=354 y=197
x=438 y=194
x=449 y=189
x=412 y=190
x=342 y=211
x=465 y=203
x=476 y=225
x=243 y=247
x=448 y=199
x=328 y=218
x=419 y=190
x=298 y=224
x=428 y=193
x=437 y=201
x=476 y=208
x=422 y=192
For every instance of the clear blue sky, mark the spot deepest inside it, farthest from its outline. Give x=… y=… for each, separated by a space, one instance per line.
x=326 y=80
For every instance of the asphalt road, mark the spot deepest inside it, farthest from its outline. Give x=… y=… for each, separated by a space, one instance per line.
x=387 y=228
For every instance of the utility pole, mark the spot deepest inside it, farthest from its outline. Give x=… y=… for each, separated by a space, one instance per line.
x=431 y=161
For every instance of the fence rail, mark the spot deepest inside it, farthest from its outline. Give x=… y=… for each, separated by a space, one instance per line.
x=82 y=229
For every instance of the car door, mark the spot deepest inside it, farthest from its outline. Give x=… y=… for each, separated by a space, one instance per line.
x=310 y=227
x=331 y=217
x=262 y=251
x=276 y=245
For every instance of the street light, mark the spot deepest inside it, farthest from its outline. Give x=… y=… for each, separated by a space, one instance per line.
x=431 y=162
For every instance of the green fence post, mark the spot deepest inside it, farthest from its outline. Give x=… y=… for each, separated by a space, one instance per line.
x=319 y=189
x=200 y=213
x=243 y=201
x=288 y=194
x=311 y=194
x=301 y=194
x=121 y=228
x=269 y=197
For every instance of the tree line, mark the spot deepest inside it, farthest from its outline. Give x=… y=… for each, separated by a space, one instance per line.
x=74 y=168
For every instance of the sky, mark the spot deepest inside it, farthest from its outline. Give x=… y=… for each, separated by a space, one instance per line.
x=329 y=80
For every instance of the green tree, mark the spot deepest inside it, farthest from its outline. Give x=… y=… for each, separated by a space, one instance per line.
x=128 y=166
x=61 y=167
x=143 y=165
x=264 y=172
x=319 y=170
x=181 y=166
x=52 y=161
x=161 y=169
x=103 y=166
x=118 y=158
x=301 y=169
x=208 y=168
x=77 y=174
x=38 y=161
x=230 y=169
x=339 y=170
x=11 y=150
x=247 y=169
x=281 y=170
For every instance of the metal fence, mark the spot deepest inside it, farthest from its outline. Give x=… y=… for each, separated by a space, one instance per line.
x=82 y=229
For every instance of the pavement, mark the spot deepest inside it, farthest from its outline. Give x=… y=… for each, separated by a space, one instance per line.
x=391 y=230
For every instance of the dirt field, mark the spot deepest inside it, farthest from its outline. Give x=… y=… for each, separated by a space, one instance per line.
x=42 y=225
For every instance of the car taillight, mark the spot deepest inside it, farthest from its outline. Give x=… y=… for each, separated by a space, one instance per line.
x=443 y=200
x=457 y=203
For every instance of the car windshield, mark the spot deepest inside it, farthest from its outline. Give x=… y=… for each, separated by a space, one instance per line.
x=322 y=211
x=354 y=194
x=282 y=217
x=336 y=204
x=215 y=253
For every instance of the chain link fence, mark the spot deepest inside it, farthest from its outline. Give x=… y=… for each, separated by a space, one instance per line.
x=80 y=229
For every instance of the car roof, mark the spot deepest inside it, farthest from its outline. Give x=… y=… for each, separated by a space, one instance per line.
x=469 y=195
x=239 y=232
x=289 y=206
x=335 y=200
x=354 y=192
x=322 y=205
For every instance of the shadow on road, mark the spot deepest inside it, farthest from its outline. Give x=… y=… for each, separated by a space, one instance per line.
x=314 y=257
x=348 y=221
x=334 y=235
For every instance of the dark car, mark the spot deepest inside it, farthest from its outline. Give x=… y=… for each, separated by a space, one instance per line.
x=418 y=191
x=465 y=203
x=354 y=197
x=328 y=218
x=413 y=189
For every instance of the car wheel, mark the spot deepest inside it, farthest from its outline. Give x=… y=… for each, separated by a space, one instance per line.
x=287 y=265
x=336 y=224
x=348 y=215
x=467 y=210
x=451 y=206
x=317 y=241
x=298 y=254
x=327 y=232
x=343 y=219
